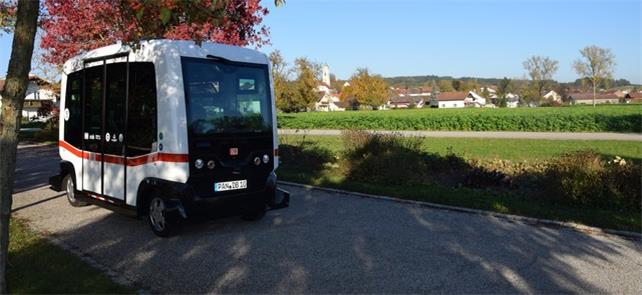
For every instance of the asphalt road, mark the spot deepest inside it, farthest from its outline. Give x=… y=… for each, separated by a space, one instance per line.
x=485 y=134
x=334 y=243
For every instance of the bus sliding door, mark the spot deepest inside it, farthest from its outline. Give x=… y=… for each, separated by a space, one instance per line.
x=104 y=127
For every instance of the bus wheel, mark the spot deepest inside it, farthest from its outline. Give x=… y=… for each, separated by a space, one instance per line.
x=70 y=190
x=162 y=223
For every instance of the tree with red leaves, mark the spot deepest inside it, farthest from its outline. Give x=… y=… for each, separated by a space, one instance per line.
x=74 y=26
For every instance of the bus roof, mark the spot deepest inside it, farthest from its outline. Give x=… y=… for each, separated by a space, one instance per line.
x=154 y=50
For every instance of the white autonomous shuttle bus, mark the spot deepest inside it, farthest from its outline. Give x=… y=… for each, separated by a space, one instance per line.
x=168 y=128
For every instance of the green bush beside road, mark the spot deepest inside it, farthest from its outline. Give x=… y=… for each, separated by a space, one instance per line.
x=583 y=186
x=606 y=118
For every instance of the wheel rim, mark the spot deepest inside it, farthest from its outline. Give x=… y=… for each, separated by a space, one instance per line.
x=157 y=214
x=71 y=190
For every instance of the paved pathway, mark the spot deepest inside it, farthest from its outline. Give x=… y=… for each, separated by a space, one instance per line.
x=487 y=134
x=335 y=243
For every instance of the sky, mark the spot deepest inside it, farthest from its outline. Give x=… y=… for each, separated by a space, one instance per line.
x=485 y=38
x=456 y=38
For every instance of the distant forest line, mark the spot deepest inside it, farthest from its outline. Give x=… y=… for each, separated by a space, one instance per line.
x=423 y=81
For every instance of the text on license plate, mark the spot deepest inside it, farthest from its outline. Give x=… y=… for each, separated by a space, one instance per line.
x=230 y=185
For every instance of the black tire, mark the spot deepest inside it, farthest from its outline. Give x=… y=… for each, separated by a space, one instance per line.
x=161 y=222
x=254 y=212
x=70 y=190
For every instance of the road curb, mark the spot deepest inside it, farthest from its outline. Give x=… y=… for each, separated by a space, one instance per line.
x=508 y=217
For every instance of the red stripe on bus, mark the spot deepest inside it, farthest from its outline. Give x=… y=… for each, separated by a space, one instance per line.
x=133 y=161
x=76 y=152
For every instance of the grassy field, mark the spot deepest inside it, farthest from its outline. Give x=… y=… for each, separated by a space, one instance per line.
x=37 y=267
x=499 y=200
x=505 y=149
x=605 y=118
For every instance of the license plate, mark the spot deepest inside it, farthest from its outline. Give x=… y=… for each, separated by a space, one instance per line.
x=230 y=185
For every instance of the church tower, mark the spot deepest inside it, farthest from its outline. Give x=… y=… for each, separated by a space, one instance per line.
x=325 y=74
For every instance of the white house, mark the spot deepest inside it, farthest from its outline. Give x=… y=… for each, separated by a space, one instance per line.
x=449 y=100
x=327 y=102
x=512 y=100
x=475 y=100
x=39 y=91
x=406 y=101
x=552 y=95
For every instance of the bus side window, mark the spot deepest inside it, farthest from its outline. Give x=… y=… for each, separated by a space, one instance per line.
x=93 y=101
x=72 y=114
x=141 y=126
x=115 y=108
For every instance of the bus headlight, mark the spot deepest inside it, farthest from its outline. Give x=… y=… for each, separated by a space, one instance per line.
x=198 y=163
x=266 y=159
x=257 y=161
x=211 y=164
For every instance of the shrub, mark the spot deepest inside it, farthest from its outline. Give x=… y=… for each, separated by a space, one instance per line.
x=583 y=178
x=383 y=158
x=480 y=177
x=304 y=154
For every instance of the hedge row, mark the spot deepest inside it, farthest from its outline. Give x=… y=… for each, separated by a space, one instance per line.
x=626 y=118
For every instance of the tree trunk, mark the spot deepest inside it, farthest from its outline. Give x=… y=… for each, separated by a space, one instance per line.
x=594 y=93
x=13 y=97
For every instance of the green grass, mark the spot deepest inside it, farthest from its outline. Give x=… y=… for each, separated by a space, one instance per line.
x=505 y=149
x=504 y=201
x=36 y=266
x=605 y=118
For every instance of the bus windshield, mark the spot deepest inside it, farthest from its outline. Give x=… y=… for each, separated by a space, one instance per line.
x=226 y=97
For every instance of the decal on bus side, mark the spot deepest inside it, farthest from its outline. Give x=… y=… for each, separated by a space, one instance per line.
x=131 y=161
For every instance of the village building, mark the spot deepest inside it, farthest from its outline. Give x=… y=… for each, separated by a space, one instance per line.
x=453 y=99
x=406 y=101
x=587 y=98
x=39 y=92
x=512 y=100
x=552 y=95
x=474 y=100
x=327 y=99
x=328 y=102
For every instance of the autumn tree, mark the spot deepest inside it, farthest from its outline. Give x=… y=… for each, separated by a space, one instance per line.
x=540 y=70
x=304 y=94
x=446 y=86
x=282 y=85
x=367 y=89
x=504 y=87
x=72 y=27
x=596 y=65
x=469 y=85
x=456 y=85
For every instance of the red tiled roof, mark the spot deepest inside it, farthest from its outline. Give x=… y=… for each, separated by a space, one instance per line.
x=634 y=95
x=589 y=95
x=406 y=99
x=453 y=95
